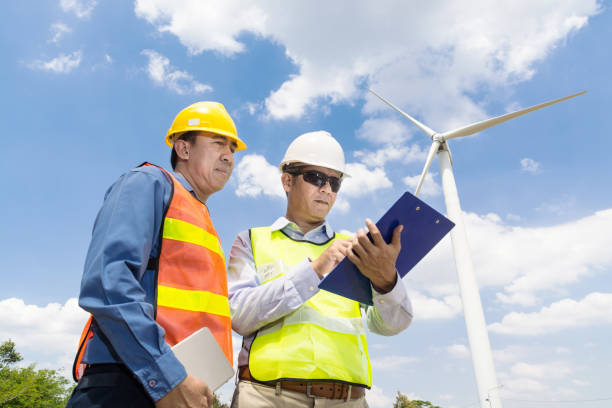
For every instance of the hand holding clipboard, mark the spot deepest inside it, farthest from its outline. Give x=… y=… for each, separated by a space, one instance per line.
x=423 y=228
x=374 y=257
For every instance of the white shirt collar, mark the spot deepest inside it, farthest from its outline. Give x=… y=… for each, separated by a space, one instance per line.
x=283 y=222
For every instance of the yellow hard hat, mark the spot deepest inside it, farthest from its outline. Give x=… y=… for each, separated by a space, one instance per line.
x=207 y=116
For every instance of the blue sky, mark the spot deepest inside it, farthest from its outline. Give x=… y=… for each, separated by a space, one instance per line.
x=89 y=89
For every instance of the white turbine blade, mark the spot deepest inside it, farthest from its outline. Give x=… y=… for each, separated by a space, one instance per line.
x=485 y=124
x=424 y=128
x=430 y=156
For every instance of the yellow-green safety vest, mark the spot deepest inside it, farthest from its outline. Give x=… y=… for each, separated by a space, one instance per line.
x=324 y=339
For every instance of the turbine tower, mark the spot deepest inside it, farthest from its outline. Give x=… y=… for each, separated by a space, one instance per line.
x=482 y=358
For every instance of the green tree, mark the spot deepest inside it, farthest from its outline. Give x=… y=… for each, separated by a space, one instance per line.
x=8 y=354
x=402 y=401
x=27 y=386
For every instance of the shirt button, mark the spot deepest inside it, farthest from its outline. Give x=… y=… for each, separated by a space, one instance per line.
x=152 y=383
x=311 y=288
x=381 y=301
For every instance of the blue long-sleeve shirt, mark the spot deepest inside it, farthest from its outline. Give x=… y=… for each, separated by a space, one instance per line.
x=119 y=290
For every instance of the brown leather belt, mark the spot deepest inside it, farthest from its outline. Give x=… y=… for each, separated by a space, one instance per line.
x=327 y=389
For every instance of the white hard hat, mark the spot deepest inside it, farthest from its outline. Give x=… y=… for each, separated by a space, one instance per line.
x=317 y=149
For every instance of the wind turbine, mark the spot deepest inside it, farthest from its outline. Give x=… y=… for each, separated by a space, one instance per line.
x=482 y=358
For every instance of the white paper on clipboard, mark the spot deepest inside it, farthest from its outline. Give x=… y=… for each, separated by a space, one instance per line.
x=203 y=358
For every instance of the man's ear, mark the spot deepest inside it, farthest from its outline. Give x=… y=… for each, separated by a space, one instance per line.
x=287 y=181
x=182 y=148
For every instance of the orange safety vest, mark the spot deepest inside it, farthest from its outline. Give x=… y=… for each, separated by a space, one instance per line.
x=191 y=288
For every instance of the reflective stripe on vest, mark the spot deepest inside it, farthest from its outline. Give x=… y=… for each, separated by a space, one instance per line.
x=191 y=278
x=183 y=231
x=193 y=300
x=324 y=339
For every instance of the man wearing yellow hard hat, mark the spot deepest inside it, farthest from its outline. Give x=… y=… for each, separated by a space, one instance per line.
x=155 y=272
x=304 y=347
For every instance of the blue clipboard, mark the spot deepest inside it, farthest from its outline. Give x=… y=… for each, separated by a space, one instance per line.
x=424 y=227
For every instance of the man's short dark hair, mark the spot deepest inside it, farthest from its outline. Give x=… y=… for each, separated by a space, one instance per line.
x=188 y=137
x=293 y=167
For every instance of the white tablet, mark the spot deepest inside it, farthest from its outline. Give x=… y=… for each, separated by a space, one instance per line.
x=203 y=358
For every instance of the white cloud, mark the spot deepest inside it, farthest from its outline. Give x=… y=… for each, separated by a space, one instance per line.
x=458 y=351
x=341 y=205
x=80 y=8
x=482 y=45
x=363 y=180
x=558 y=206
x=390 y=135
x=57 y=31
x=538 y=381
x=510 y=354
x=164 y=74
x=513 y=217
x=519 y=298
x=374 y=346
x=580 y=383
x=388 y=153
x=377 y=399
x=536 y=259
x=427 y=308
x=383 y=131
x=592 y=310
x=255 y=176
x=52 y=330
x=549 y=371
x=347 y=232
x=429 y=188
x=252 y=108
x=521 y=386
x=392 y=362
x=108 y=60
x=530 y=166
x=204 y=25
x=62 y=64
x=455 y=47
x=525 y=375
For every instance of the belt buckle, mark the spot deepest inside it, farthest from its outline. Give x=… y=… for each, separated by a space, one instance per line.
x=348 y=393
x=308 y=389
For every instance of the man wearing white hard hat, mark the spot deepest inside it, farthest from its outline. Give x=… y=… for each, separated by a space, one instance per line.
x=305 y=347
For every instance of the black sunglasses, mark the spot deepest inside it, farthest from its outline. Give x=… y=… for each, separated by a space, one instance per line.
x=319 y=179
